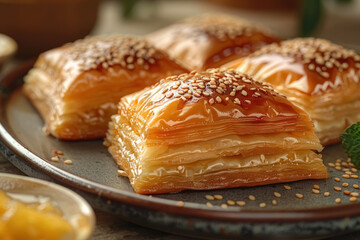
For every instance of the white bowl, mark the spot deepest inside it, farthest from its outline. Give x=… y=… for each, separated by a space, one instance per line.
x=73 y=207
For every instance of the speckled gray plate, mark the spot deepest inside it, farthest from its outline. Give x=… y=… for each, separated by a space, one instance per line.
x=93 y=174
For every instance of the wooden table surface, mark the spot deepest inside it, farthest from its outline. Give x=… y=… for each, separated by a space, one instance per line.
x=109 y=227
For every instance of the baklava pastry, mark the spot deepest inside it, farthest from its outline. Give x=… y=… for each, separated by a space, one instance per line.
x=319 y=76
x=210 y=130
x=211 y=40
x=76 y=87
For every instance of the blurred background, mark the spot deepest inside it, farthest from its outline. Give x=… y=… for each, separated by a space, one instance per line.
x=38 y=25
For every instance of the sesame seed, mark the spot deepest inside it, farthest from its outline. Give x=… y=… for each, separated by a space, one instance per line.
x=355 y=186
x=209 y=204
x=276 y=194
x=338 y=168
x=336 y=188
x=354 y=176
x=209 y=197
x=180 y=203
x=218 y=99
x=121 y=173
x=251 y=197
x=338 y=200
x=68 y=162
x=224 y=205
x=316 y=187
x=55 y=158
x=299 y=195
x=345 y=184
x=241 y=203
x=354 y=170
x=247 y=101
x=230 y=202
x=243 y=92
x=326 y=194
x=331 y=164
x=338 y=160
x=57 y=152
x=169 y=94
x=218 y=197
x=274 y=202
x=346 y=192
x=353 y=199
x=345 y=176
x=211 y=101
x=287 y=187
x=354 y=194
x=237 y=101
x=262 y=157
x=262 y=205
x=316 y=191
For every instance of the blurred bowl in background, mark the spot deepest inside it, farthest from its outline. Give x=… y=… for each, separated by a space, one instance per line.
x=39 y=25
x=8 y=48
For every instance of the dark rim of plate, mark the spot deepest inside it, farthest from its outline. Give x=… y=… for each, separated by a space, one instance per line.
x=191 y=210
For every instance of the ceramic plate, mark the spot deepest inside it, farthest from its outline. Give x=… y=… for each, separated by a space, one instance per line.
x=94 y=173
x=74 y=208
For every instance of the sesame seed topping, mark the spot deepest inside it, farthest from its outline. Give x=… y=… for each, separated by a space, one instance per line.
x=252 y=197
x=319 y=55
x=345 y=184
x=287 y=187
x=107 y=51
x=222 y=27
x=55 y=158
x=274 y=202
x=337 y=179
x=276 y=194
x=338 y=200
x=347 y=192
x=209 y=204
x=345 y=176
x=336 y=188
x=326 y=194
x=180 y=203
x=316 y=187
x=220 y=89
x=355 y=186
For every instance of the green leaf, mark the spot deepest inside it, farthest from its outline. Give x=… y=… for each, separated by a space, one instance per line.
x=351 y=143
x=310 y=18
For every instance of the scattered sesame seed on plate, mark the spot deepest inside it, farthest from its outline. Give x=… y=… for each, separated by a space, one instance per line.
x=209 y=197
x=251 y=197
x=336 y=188
x=241 y=203
x=299 y=195
x=68 y=162
x=326 y=194
x=287 y=187
x=338 y=200
x=218 y=197
x=315 y=191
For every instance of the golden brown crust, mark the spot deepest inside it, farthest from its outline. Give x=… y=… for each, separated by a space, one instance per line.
x=209 y=130
x=82 y=82
x=211 y=40
x=228 y=99
x=321 y=77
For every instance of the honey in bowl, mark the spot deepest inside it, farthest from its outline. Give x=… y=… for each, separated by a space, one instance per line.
x=34 y=219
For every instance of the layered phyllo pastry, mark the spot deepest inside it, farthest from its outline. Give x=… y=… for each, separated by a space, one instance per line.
x=211 y=40
x=321 y=77
x=76 y=87
x=209 y=130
